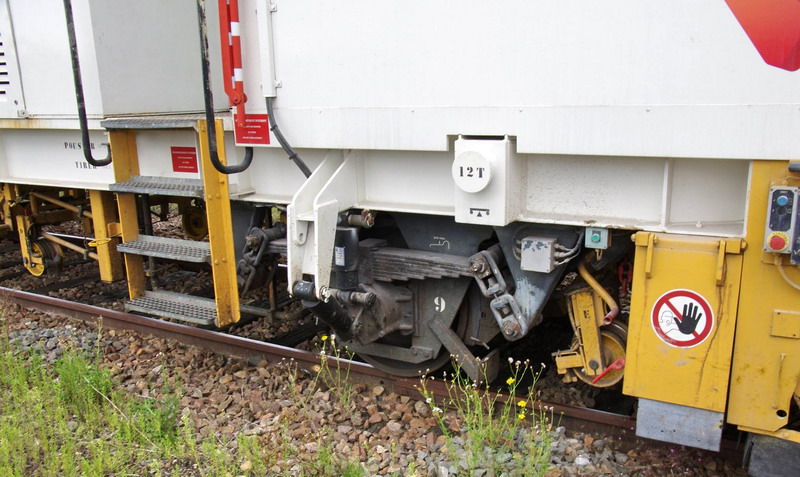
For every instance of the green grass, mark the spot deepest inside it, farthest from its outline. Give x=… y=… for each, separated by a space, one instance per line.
x=66 y=419
x=490 y=428
x=336 y=378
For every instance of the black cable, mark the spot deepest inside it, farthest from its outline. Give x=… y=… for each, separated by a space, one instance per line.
x=76 y=75
x=273 y=126
x=209 y=103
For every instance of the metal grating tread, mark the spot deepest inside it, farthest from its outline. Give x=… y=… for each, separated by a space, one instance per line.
x=160 y=186
x=192 y=309
x=169 y=248
x=163 y=121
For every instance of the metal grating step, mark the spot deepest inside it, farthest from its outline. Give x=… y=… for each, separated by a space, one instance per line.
x=169 y=248
x=160 y=186
x=162 y=121
x=192 y=309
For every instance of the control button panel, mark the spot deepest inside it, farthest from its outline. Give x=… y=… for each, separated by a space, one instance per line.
x=780 y=236
x=597 y=237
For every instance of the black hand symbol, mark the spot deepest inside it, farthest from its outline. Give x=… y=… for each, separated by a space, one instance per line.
x=690 y=319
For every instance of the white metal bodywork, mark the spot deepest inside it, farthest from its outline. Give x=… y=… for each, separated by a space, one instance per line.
x=137 y=58
x=608 y=78
x=692 y=196
x=52 y=157
x=622 y=114
x=12 y=102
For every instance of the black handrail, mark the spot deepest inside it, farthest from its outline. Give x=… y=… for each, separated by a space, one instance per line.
x=209 y=103
x=76 y=75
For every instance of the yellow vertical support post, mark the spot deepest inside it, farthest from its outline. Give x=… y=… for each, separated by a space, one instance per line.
x=109 y=260
x=8 y=198
x=220 y=228
x=126 y=164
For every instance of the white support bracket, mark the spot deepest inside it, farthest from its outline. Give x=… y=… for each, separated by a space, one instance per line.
x=313 y=216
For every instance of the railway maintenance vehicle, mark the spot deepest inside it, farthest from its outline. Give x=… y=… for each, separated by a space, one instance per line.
x=438 y=179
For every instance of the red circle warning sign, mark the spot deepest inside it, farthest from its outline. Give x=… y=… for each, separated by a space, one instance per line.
x=682 y=318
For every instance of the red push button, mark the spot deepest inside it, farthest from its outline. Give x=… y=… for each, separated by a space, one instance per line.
x=776 y=242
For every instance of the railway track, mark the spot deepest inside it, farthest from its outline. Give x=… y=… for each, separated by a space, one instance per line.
x=620 y=427
x=282 y=346
x=571 y=416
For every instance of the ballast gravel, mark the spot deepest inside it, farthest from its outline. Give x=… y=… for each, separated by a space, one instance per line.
x=388 y=433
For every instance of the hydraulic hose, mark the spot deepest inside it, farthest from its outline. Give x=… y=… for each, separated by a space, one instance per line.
x=598 y=288
x=76 y=76
x=273 y=126
x=779 y=264
x=209 y=102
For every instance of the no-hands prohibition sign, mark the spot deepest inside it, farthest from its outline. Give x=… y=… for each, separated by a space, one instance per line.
x=682 y=318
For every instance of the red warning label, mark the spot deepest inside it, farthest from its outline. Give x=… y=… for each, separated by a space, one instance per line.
x=682 y=318
x=184 y=159
x=255 y=131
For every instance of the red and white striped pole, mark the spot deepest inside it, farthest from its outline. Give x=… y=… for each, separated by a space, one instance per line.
x=231 y=46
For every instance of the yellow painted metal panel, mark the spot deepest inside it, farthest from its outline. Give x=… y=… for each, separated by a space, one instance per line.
x=786 y=324
x=109 y=260
x=126 y=164
x=785 y=434
x=220 y=229
x=676 y=279
x=766 y=368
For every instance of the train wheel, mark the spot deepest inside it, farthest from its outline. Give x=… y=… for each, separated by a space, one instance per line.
x=402 y=368
x=613 y=348
x=44 y=255
x=195 y=223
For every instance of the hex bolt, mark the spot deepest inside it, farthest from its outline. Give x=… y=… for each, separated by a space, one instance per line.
x=511 y=328
x=324 y=293
x=252 y=241
x=477 y=266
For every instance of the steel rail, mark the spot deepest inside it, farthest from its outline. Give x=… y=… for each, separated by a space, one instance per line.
x=575 y=418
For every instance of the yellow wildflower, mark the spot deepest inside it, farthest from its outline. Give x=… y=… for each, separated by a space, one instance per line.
x=521 y=416
x=522 y=404
x=324 y=338
x=510 y=381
